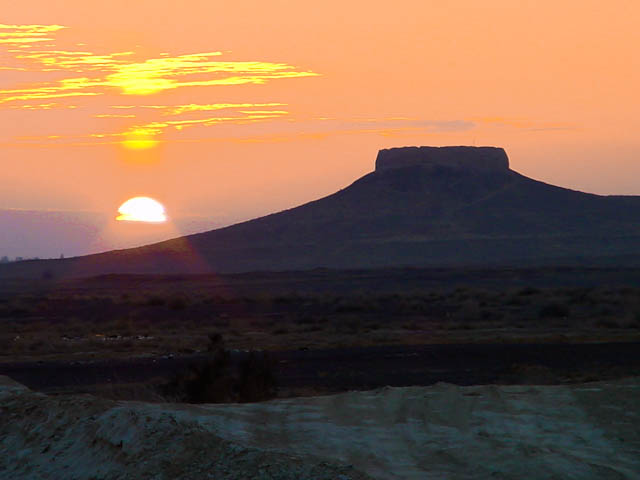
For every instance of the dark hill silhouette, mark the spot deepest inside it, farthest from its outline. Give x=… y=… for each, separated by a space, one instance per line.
x=427 y=206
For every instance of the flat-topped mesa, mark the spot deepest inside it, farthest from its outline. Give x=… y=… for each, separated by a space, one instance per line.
x=465 y=158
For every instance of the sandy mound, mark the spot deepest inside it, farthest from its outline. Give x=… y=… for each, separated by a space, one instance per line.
x=82 y=437
x=444 y=431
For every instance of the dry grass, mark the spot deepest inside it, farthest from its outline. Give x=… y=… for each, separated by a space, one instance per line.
x=154 y=321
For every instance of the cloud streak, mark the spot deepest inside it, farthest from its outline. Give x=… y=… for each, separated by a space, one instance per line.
x=143 y=78
x=124 y=74
x=24 y=35
x=524 y=124
x=112 y=90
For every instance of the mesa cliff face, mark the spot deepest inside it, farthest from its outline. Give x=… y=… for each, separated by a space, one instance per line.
x=422 y=206
x=468 y=158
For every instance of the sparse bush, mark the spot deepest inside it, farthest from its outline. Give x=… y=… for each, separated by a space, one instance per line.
x=554 y=310
x=215 y=342
x=411 y=326
x=122 y=326
x=257 y=381
x=605 y=310
x=210 y=381
x=155 y=301
x=313 y=328
x=178 y=303
x=350 y=308
x=350 y=326
x=469 y=310
x=528 y=291
x=517 y=301
x=305 y=320
x=284 y=299
x=607 y=323
x=40 y=345
x=218 y=380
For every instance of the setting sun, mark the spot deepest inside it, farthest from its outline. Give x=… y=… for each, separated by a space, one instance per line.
x=139 y=139
x=142 y=209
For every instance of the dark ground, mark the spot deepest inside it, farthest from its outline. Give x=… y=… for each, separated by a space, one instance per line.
x=326 y=330
x=336 y=370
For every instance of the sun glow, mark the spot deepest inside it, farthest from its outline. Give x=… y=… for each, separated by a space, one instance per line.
x=142 y=209
x=140 y=139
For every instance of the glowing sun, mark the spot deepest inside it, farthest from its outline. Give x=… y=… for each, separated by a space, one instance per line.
x=142 y=209
x=139 y=139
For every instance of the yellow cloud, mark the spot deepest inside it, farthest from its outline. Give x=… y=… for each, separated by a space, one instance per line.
x=40 y=95
x=60 y=60
x=148 y=135
x=144 y=78
x=160 y=74
x=179 y=109
x=265 y=112
x=113 y=115
x=154 y=128
x=89 y=74
x=26 y=34
x=43 y=106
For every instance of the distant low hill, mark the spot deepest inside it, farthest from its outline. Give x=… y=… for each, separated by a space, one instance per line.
x=50 y=233
x=422 y=206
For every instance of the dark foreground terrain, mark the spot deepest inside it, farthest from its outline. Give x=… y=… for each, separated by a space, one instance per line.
x=583 y=430
x=534 y=369
x=325 y=330
x=335 y=370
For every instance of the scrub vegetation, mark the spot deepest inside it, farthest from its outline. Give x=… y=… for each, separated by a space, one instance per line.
x=147 y=316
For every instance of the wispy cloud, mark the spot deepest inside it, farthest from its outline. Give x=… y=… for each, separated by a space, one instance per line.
x=43 y=106
x=524 y=124
x=119 y=75
x=113 y=115
x=107 y=73
x=63 y=60
x=193 y=107
x=111 y=89
x=24 y=35
x=142 y=135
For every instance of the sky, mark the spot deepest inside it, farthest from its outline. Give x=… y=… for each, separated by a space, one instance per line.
x=225 y=111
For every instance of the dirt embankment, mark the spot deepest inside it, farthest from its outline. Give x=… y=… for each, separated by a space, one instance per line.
x=443 y=431
x=82 y=437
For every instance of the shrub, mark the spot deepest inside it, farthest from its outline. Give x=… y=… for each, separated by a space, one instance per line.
x=607 y=323
x=178 y=303
x=209 y=381
x=554 y=310
x=217 y=380
x=257 y=381
x=155 y=301
x=526 y=291
x=215 y=342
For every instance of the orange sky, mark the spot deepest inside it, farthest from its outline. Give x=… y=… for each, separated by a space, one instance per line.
x=237 y=109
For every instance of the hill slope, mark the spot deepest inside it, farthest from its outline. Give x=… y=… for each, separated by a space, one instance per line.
x=421 y=206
